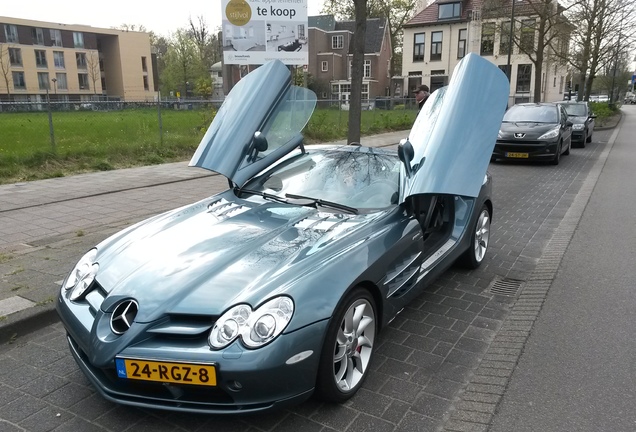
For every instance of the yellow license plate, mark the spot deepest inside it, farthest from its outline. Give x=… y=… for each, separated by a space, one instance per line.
x=517 y=155
x=168 y=372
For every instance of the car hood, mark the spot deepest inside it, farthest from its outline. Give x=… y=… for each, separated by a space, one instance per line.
x=263 y=103
x=524 y=130
x=202 y=259
x=455 y=132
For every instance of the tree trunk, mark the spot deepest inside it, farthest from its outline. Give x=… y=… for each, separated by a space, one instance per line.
x=357 y=63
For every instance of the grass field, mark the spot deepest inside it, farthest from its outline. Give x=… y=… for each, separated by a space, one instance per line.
x=98 y=141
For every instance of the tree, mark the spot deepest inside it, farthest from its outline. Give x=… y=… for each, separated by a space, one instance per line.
x=5 y=67
x=600 y=28
x=207 y=42
x=93 y=69
x=396 y=12
x=542 y=25
x=132 y=27
x=182 y=63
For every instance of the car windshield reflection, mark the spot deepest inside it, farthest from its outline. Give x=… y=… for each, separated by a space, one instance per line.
x=575 y=109
x=358 y=179
x=531 y=114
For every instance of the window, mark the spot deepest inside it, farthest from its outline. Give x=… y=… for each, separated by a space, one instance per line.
x=337 y=42
x=526 y=42
x=81 y=60
x=146 y=82
x=415 y=79
x=58 y=59
x=56 y=38
x=43 y=80
x=449 y=11
x=62 y=84
x=504 y=39
x=78 y=39
x=83 y=81
x=144 y=66
x=18 y=81
x=40 y=58
x=11 y=33
x=437 y=80
x=524 y=73
x=324 y=66
x=15 y=56
x=38 y=36
x=487 y=38
x=367 y=69
x=561 y=81
x=505 y=69
x=418 y=47
x=436 y=45
x=461 y=43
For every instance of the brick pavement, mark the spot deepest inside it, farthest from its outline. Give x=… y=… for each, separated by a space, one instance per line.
x=423 y=376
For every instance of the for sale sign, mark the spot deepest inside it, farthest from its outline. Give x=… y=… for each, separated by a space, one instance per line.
x=256 y=31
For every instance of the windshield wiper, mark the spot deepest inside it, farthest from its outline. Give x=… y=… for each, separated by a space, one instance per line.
x=323 y=203
x=263 y=194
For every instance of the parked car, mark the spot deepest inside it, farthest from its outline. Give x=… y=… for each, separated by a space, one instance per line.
x=539 y=131
x=254 y=298
x=582 y=122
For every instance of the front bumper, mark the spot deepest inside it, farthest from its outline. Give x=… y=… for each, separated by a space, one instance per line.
x=578 y=136
x=537 y=150
x=248 y=381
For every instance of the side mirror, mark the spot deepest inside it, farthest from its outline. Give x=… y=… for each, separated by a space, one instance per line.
x=568 y=123
x=592 y=115
x=406 y=154
x=259 y=144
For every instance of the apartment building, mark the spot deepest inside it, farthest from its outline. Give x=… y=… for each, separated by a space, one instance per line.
x=73 y=63
x=331 y=52
x=439 y=36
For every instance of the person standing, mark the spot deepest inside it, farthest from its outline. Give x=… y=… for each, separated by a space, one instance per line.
x=421 y=94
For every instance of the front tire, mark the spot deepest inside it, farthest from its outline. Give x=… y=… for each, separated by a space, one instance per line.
x=479 y=241
x=557 y=155
x=348 y=347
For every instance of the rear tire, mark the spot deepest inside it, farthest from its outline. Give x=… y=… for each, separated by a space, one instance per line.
x=589 y=139
x=479 y=240
x=348 y=348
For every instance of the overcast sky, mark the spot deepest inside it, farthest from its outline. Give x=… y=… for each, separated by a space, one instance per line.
x=155 y=16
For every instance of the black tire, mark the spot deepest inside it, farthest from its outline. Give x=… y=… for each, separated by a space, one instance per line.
x=349 y=358
x=589 y=139
x=479 y=240
x=567 y=152
x=557 y=156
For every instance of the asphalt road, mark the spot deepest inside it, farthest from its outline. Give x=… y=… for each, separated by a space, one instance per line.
x=578 y=370
x=443 y=364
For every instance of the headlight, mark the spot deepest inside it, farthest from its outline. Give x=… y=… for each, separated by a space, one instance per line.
x=578 y=126
x=553 y=133
x=255 y=328
x=82 y=275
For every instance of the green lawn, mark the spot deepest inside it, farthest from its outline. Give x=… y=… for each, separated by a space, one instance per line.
x=92 y=141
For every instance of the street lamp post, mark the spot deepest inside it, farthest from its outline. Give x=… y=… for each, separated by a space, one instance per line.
x=54 y=85
x=512 y=29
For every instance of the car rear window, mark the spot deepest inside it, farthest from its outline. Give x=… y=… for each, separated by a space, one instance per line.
x=533 y=113
x=575 y=109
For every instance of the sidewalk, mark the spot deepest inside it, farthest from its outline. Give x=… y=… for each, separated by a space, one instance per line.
x=46 y=225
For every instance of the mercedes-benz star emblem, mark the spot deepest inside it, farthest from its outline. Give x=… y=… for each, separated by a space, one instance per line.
x=519 y=135
x=123 y=316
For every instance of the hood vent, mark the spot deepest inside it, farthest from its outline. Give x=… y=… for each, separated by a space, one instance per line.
x=223 y=209
x=325 y=222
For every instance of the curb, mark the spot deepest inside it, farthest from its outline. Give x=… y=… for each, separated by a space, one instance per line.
x=27 y=321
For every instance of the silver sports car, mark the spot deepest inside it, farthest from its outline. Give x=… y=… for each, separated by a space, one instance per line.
x=276 y=289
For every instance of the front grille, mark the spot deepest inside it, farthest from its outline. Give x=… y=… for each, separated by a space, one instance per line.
x=168 y=395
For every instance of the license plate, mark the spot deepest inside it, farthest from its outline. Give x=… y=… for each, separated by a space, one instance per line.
x=168 y=372
x=517 y=155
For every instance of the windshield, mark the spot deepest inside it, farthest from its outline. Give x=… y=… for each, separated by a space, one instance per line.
x=359 y=179
x=579 y=110
x=532 y=113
